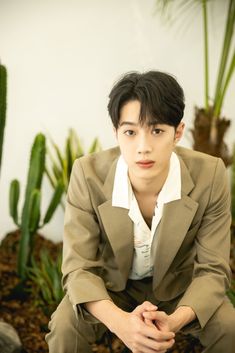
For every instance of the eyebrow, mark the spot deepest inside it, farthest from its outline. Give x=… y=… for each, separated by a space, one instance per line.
x=150 y=123
x=128 y=123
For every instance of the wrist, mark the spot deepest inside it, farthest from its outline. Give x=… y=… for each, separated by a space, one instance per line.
x=106 y=312
x=182 y=316
x=116 y=320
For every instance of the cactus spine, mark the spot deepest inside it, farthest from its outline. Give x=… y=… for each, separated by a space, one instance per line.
x=3 y=106
x=31 y=215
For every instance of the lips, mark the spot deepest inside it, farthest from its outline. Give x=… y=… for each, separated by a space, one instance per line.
x=145 y=163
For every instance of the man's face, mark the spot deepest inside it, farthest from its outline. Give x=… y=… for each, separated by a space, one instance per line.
x=145 y=148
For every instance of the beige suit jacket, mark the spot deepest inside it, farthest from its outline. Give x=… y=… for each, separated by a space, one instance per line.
x=191 y=245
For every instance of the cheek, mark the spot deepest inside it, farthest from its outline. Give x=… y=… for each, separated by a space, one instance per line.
x=165 y=146
x=170 y=138
x=169 y=144
x=163 y=152
x=127 y=154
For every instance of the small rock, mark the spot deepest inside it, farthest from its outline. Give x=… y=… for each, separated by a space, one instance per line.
x=9 y=339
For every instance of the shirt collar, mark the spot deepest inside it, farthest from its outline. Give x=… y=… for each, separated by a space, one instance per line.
x=122 y=191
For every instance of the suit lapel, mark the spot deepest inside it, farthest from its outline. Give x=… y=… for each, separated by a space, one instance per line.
x=119 y=229
x=176 y=219
x=118 y=226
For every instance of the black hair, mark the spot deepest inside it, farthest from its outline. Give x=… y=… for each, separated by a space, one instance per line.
x=160 y=96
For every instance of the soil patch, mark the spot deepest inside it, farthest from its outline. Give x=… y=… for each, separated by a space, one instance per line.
x=19 y=308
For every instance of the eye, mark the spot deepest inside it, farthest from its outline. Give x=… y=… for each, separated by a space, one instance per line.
x=129 y=132
x=157 y=131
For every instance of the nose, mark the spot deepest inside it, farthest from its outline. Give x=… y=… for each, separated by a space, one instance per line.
x=144 y=146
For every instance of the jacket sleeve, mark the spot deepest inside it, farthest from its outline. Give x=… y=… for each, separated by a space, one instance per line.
x=82 y=261
x=211 y=268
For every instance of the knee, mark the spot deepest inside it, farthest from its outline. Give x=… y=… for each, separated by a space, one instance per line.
x=223 y=322
x=63 y=319
x=227 y=325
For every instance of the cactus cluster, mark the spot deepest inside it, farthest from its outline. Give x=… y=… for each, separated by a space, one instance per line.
x=30 y=220
x=3 y=106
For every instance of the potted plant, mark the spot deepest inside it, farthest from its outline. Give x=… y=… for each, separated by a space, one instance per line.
x=209 y=124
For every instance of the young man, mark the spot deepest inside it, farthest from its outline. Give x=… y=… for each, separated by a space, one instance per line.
x=147 y=233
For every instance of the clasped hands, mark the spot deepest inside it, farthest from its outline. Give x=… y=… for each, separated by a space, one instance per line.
x=148 y=330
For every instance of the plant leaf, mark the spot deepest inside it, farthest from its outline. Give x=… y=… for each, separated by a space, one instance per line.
x=56 y=198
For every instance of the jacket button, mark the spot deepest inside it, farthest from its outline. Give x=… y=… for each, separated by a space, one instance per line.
x=109 y=284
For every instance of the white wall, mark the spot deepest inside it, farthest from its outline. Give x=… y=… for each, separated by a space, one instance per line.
x=63 y=56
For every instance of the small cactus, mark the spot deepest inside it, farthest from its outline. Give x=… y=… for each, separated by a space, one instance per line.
x=31 y=214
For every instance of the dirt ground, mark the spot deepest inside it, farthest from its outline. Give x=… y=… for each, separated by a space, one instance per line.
x=18 y=307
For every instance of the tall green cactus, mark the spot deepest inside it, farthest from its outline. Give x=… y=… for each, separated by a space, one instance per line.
x=31 y=215
x=3 y=106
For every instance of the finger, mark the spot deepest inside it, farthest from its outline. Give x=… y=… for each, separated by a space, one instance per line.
x=149 y=322
x=155 y=334
x=155 y=315
x=145 y=306
x=151 y=308
x=147 y=343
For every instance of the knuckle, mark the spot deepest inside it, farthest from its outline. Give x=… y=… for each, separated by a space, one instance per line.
x=146 y=303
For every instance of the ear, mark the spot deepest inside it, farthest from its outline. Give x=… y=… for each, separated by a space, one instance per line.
x=179 y=131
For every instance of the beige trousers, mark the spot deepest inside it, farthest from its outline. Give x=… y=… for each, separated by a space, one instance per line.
x=71 y=334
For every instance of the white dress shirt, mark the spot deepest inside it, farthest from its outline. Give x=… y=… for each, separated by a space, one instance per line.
x=123 y=196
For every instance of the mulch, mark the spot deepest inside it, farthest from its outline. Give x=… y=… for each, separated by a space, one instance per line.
x=19 y=308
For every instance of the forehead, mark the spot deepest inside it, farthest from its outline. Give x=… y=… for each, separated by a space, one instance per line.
x=130 y=114
x=131 y=108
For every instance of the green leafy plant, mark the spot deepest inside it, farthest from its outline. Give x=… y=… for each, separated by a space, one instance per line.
x=3 y=106
x=46 y=276
x=209 y=126
x=61 y=162
x=30 y=220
